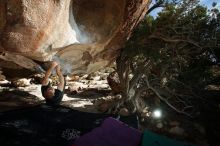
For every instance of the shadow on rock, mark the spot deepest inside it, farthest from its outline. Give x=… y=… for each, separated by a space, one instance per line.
x=17 y=99
x=89 y=93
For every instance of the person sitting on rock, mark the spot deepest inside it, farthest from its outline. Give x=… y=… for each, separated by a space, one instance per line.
x=51 y=95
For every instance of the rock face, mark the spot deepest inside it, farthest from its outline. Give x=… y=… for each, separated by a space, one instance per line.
x=83 y=35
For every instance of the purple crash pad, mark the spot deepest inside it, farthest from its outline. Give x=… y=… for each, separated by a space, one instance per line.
x=111 y=133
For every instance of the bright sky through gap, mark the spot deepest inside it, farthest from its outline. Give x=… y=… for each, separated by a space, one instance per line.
x=207 y=3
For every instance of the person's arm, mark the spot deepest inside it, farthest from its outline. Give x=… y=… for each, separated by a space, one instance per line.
x=60 y=86
x=45 y=80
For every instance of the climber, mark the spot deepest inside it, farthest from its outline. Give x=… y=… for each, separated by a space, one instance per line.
x=51 y=95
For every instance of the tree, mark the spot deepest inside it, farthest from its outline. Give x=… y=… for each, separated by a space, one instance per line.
x=167 y=58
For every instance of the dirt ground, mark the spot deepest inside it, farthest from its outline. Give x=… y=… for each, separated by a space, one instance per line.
x=19 y=97
x=83 y=95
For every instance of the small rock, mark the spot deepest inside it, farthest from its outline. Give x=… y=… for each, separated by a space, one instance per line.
x=200 y=128
x=213 y=87
x=109 y=70
x=92 y=76
x=104 y=76
x=145 y=112
x=103 y=107
x=159 y=125
x=84 y=77
x=97 y=78
x=72 y=90
x=2 y=77
x=73 y=78
x=177 y=131
x=36 y=79
x=124 y=112
x=21 y=83
x=174 y=123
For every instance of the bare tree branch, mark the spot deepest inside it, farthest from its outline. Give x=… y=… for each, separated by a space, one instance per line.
x=138 y=74
x=165 y=100
x=171 y=40
x=160 y=3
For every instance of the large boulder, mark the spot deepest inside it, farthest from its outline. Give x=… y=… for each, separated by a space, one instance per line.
x=83 y=35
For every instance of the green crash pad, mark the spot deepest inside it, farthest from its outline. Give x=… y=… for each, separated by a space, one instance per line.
x=153 y=139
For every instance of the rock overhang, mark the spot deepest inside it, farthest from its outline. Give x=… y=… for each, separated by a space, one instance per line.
x=85 y=35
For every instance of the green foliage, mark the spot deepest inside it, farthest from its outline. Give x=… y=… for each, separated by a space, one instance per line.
x=175 y=49
x=183 y=34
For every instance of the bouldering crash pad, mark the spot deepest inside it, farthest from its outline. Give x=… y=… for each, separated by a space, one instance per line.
x=153 y=139
x=49 y=126
x=112 y=132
